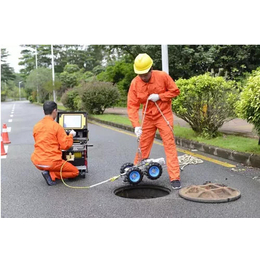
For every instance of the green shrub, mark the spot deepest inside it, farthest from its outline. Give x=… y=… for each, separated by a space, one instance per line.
x=249 y=105
x=96 y=96
x=205 y=102
x=30 y=99
x=70 y=99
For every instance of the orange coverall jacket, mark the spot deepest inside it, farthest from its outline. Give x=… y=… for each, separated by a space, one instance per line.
x=50 y=138
x=160 y=83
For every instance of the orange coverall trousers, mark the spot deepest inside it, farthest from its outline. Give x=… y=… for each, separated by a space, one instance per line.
x=146 y=142
x=68 y=170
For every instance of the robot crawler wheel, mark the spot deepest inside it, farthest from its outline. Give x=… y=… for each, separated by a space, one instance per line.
x=134 y=175
x=125 y=166
x=153 y=170
x=82 y=174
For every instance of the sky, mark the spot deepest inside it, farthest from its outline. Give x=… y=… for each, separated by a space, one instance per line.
x=14 y=51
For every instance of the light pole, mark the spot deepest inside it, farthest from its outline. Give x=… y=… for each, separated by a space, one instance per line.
x=165 y=63
x=53 y=75
x=36 y=67
x=20 y=90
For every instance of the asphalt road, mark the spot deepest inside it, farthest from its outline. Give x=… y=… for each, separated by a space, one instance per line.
x=26 y=195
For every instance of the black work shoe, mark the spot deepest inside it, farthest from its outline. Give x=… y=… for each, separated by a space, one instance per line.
x=47 y=177
x=176 y=184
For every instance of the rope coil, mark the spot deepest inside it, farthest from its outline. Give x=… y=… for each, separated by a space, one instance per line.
x=186 y=159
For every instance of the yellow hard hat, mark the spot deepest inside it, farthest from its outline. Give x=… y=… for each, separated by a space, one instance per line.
x=143 y=63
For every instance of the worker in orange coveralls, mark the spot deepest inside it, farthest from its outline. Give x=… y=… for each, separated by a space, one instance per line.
x=50 y=138
x=156 y=86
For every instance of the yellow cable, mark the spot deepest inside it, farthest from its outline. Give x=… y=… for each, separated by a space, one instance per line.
x=85 y=187
x=72 y=187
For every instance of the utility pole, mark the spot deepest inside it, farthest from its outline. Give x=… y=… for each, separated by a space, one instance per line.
x=20 y=90
x=36 y=61
x=53 y=75
x=36 y=66
x=165 y=62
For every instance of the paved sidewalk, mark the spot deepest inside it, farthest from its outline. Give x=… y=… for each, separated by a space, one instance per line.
x=236 y=126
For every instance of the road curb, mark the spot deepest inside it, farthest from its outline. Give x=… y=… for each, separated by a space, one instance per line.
x=239 y=157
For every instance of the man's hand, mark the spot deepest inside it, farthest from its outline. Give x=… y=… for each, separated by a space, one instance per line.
x=138 y=131
x=72 y=132
x=154 y=97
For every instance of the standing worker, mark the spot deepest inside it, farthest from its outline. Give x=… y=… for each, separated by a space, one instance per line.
x=154 y=86
x=50 y=138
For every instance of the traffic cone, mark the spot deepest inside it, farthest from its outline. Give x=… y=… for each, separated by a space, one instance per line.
x=2 y=148
x=5 y=135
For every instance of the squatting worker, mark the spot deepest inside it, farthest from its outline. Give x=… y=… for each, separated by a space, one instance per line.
x=156 y=86
x=50 y=138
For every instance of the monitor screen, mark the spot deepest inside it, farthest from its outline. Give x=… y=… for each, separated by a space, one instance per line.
x=72 y=121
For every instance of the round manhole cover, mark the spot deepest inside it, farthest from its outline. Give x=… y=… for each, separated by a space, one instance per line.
x=142 y=192
x=210 y=192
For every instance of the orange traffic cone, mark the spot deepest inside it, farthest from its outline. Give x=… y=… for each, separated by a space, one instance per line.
x=5 y=135
x=2 y=148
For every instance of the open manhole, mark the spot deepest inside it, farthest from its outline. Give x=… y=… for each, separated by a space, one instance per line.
x=142 y=192
x=210 y=192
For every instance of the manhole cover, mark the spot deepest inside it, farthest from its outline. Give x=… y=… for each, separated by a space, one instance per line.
x=142 y=192
x=210 y=192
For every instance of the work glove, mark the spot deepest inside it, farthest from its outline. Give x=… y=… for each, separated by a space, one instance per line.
x=72 y=132
x=138 y=131
x=154 y=97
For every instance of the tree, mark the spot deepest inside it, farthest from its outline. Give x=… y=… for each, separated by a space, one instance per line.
x=39 y=77
x=120 y=73
x=9 y=90
x=69 y=77
x=85 y=57
x=235 y=60
x=28 y=60
x=186 y=61
x=72 y=76
x=7 y=72
x=205 y=102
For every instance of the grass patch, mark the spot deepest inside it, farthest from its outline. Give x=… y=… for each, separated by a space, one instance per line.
x=114 y=118
x=60 y=107
x=235 y=143
x=231 y=142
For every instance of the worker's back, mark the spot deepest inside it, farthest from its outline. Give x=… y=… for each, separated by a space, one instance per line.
x=50 y=138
